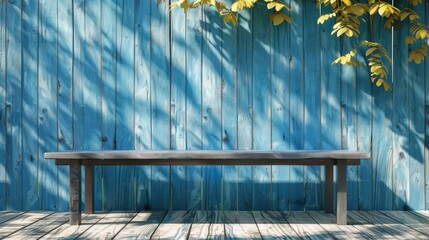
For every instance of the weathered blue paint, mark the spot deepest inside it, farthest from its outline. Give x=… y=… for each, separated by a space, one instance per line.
x=229 y=112
x=426 y=148
x=280 y=110
x=178 y=106
x=244 y=104
x=142 y=100
x=348 y=120
x=416 y=77
x=30 y=34
x=108 y=99
x=311 y=99
x=330 y=88
x=401 y=127
x=65 y=96
x=296 y=95
x=47 y=107
x=261 y=107
x=13 y=103
x=211 y=88
x=125 y=114
x=3 y=142
x=121 y=75
x=92 y=88
x=382 y=136
x=160 y=100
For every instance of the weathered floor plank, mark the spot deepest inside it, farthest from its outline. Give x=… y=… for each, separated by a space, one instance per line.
x=8 y=215
x=410 y=220
x=207 y=225
x=21 y=222
x=68 y=232
x=305 y=226
x=109 y=226
x=142 y=226
x=176 y=225
x=272 y=225
x=328 y=222
x=241 y=225
x=41 y=227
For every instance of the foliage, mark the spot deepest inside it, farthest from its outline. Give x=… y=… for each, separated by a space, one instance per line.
x=349 y=15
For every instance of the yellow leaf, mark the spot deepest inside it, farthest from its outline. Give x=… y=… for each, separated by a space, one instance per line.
x=386 y=86
x=369 y=51
x=410 y=39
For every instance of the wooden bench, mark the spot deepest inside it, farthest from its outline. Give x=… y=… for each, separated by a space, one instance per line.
x=75 y=159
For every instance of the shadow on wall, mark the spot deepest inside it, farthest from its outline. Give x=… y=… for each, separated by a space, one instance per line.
x=118 y=74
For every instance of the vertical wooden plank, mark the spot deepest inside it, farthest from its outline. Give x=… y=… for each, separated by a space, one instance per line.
x=211 y=107
x=92 y=89
x=280 y=80
x=261 y=106
x=329 y=193
x=296 y=103
x=75 y=217
x=401 y=120
x=193 y=104
x=416 y=78
x=364 y=131
x=160 y=99
x=245 y=107
x=143 y=129
x=3 y=143
x=426 y=123
x=312 y=121
x=108 y=99
x=382 y=134
x=30 y=44
x=47 y=109
x=178 y=106
x=348 y=121
x=125 y=100
x=78 y=70
x=341 y=193
x=229 y=111
x=13 y=106
x=330 y=86
x=65 y=96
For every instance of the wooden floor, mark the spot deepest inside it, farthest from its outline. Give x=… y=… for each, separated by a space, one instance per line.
x=215 y=225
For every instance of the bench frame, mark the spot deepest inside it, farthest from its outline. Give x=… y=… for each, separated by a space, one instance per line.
x=76 y=159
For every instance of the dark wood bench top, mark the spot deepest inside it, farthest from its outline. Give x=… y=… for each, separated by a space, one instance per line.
x=209 y=157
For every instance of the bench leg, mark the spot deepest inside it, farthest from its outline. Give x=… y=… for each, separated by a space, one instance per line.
x=89 y=191
x=341 y=193
x=329 y=185
x=75 y=218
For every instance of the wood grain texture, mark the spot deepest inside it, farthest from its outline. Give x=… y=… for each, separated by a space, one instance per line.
x=89 y=189
x=272 y=225
x=21 y=222
x=244 y=106
x=125 y=114
x=329 y=186
x=108 y=99
x=211 y=90
x=30 y=26
x=342 y=194
x=41 y=227
x=65 y=96
x=175 y=225
x=142 y=226
x=413 y=221
x=66 y=231
x=7 y=215
x=3 y=131
x=75 y=192
x=178 y=107
x=109 y=226
x=207 y=225
x=305 y=226
x=240 y=225
x=13 y=116
x=160 y=100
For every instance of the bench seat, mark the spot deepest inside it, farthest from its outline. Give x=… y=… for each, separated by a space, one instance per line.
x=340 y=158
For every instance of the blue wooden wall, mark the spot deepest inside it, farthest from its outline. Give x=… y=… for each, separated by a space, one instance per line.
x=122 y=74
